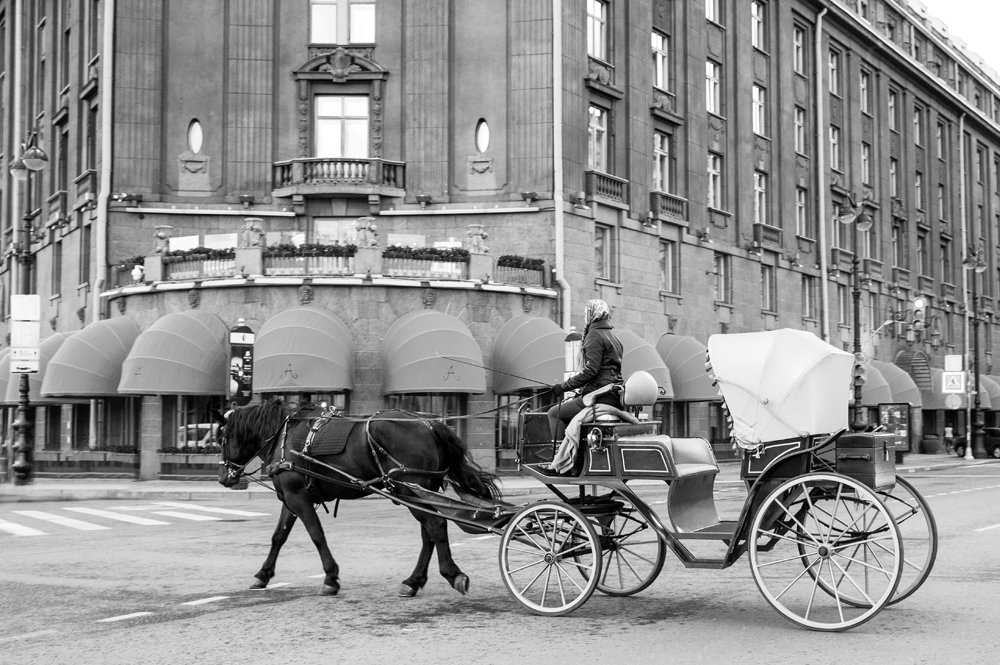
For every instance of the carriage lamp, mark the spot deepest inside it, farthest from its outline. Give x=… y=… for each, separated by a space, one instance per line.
x=595 y=438
x=974 y=262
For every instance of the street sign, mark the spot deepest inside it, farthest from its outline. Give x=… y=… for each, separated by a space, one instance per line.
x=953 y=382
x=25 y=333
x=29 y=366
x=953 y=362
x=953 y=402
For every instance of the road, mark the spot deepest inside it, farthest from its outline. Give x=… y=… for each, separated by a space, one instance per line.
x=176 y=592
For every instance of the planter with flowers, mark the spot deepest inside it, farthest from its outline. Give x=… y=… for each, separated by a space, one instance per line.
x=514 y=269
x=309 y=259
x=436 y=262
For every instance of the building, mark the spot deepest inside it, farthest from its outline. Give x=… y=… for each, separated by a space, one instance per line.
x=344 y=176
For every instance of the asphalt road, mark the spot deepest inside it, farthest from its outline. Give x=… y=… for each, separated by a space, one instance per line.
x=176 y=592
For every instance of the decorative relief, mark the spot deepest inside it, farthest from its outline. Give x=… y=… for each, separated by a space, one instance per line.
x=194 y=298
x=305 y=294
x=599 y=71
x=663 y=101
x=527 y=303
x=429 y=298
x=339 y=65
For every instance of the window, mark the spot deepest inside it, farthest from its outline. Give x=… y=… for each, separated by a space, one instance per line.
x=661 y=61
x=918 y=125
x=835 y=72
x=799 y=50
x=668 y=266
x=866 y=163
x=768 y=288
x=597 y=140
x=898 y=251
x=864 y=9
x=893 y=110
x=713 y=10
x=605 y=263
x=810 y=287
x=597 y=29
x=57 y=265
x=940 y=201
x=759 y=197
x=722 y=286
x=802 y=213
x=866 y=92
x=869 y=246
x=93 y=20
x=714 y=194
x=871 y=312
x=923 y=254
x=758 y=25
x=945 y=261
x=342 y=22
x=918 y=189
x=713 y=82
x=334 y=231
x=843 y=305
x=341 y=126
x=893 y=177
x=84 y=250
x=447 y=406
x=759 y=113
x=800 y=130
x=662 y=169
x=835 y=156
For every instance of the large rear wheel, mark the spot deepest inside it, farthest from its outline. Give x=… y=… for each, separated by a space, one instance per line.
x=550 y=558
x=919 y=532
x=825 y=551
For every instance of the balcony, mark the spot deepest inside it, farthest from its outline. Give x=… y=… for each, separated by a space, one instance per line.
x=925 y=284
x=607 y=189
x=56 y=212
x=86 y=189
x=873 y=268
x=668 y=205
x=901 y=276
x=841 y=259
x=947 y=291
x=316 y=176
x=767 y=236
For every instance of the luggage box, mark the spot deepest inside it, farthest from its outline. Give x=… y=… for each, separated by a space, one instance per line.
x=870 y=458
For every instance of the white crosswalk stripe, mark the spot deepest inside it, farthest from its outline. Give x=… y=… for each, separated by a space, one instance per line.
x=208 y=509
x=19 y=529
x=194 y=517
x=111 y=515
x=24 y=522
x=62 y=520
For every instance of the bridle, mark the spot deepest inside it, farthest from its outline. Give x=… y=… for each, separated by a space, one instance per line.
x=234 y=470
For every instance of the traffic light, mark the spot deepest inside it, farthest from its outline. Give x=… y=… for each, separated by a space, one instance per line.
x=860 y=373
x=919 y=313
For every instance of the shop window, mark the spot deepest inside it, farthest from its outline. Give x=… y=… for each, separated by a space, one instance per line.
x=443 y=405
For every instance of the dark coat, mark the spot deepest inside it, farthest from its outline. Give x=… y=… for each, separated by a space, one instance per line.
x=602 y=361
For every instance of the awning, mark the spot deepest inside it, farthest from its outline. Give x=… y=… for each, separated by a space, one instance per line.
x=303 y=349
x=427 y=351
x=992 y=389
x=904 y=390
x=46 y=350
x=638 y=354
x=4 y=374
x=529 y=352
x=184 y=353
x=936 y=398
x=89 y=364
x=685 y=358
x=875 y=390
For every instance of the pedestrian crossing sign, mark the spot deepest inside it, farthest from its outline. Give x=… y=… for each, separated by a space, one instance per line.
x=953 y=382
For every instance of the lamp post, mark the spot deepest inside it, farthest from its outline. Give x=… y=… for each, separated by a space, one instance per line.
x=31 y=160
x=975 y=450
x=860 y=220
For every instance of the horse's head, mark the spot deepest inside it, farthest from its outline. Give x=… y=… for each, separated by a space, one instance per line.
x=244 y=433
x=230 y=463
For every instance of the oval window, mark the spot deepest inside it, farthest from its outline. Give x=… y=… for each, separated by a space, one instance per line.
x=195 y=136
x=482 y=135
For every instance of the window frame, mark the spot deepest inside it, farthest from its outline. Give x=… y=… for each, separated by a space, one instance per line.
x=768 y=288
x=834 y=68
x=715 y=193
x=661 y=60
x=346 y=124
x=605 y=263
x=669 y=266
x=836 y=156
x=598 y=147
x=800 y=50
x=801 y=133
x=722 y=285
x=759 y=109
x=598 y=33
x=713 y=87
x=760 y=183
x=348 y=22
x=758 y=25
x=663 y=169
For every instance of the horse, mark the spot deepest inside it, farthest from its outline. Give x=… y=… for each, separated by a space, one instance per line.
x=393 y=449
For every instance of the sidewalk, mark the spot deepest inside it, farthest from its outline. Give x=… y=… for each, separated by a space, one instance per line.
x=82 y=489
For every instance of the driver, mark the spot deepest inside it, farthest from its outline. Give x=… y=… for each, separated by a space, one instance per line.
x=602 y=366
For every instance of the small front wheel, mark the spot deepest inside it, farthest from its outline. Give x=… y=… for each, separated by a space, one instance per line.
x=633 y=552
x=550 y=558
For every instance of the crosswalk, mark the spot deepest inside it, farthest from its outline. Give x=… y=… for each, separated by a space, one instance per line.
x=26 y=523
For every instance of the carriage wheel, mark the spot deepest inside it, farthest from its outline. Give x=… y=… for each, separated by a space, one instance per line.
x=550 y=558
x=919 y=533
x=632 y=552
x=819 y=543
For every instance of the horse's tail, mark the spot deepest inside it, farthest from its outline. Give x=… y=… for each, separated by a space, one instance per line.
x=463 y=471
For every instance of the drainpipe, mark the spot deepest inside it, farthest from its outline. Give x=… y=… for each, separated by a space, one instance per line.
x=16 y=133
x=557 y=164
x=966 y=323
x=820 y=166
x=104 y=186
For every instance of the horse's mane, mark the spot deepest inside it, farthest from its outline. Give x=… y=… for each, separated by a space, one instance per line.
x=251 y=424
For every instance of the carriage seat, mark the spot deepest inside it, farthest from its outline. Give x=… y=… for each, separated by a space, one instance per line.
x=639 y=390
x=693 y=456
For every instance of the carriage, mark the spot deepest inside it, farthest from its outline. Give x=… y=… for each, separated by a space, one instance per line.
x=832 y=534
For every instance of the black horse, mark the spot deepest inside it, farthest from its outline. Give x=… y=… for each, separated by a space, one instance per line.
x=390 y=451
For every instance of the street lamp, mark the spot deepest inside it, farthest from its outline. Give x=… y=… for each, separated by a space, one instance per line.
x=854 y=214
x=975 y=450
x=31 y=160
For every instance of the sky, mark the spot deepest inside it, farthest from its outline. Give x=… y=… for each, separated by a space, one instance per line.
x=973 y=21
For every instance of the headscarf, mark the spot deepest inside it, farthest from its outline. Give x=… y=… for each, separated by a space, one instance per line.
x=596 y=310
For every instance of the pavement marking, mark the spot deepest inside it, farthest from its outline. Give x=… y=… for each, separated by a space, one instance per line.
x=123 y=617
x=187 y=516
x=19 y=530
x=203 y=601
x=26 y=636
x=987 y=528
x=131 y=519
x=220 y=511
x=62 y=521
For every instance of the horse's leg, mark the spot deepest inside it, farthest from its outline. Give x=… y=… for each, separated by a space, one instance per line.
x=303 y=506
x=418 y=578
x=435 y=529
x=285 y=523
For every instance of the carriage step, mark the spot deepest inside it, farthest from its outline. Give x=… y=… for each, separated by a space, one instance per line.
x=718 y=531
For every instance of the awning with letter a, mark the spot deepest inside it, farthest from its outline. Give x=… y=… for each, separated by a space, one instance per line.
x=89 y=364
x=303 y=349
x=529 y=353
x=427 y=351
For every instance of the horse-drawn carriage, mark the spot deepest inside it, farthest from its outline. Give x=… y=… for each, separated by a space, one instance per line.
x=824 y=522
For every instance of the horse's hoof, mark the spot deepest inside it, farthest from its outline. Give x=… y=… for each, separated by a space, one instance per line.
x=461 y=583
x=330 y=590
x=407 y=591
x=258 y=584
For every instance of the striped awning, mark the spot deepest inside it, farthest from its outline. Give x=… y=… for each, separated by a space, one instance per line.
x=991 y=387
x=4 y=373
x=427 y=351
x=529 y=352
x=46 y=350
x=904 y=390
x=685 y=358
x=89 y=364
x=303 y=349
x=875 y=389
x=184 y=353
x=638 y=354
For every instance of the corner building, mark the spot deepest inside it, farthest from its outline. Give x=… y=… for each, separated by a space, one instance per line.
x=409 y=202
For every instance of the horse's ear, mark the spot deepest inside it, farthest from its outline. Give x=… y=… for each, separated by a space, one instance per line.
x=218 y=417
